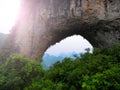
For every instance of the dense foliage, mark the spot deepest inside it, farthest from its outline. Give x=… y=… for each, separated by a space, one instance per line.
x=97 y=71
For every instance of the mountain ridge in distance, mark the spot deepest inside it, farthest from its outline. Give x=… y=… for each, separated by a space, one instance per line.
x=48 y=59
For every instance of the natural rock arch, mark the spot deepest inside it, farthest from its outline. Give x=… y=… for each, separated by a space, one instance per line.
x=42 y=23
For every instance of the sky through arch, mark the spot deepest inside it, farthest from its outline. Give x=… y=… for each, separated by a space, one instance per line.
x=75 y=43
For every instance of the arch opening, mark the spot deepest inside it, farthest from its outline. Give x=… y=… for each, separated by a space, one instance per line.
x=67 y=47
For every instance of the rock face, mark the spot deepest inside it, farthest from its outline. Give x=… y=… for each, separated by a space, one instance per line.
x=2 y=39
x=42 y=23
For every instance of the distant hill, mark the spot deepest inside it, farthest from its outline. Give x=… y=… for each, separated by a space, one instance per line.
x=2 y=39
x=48 y=60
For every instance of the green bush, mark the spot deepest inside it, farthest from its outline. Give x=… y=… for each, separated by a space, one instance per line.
x=97 y=71
x=19 y=72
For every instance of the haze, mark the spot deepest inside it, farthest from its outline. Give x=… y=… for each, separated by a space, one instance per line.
x=9 y=10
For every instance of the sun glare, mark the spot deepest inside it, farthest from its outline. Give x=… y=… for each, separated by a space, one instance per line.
x=9 y=10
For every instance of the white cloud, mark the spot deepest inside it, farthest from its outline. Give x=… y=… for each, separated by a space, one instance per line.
x=74 y=43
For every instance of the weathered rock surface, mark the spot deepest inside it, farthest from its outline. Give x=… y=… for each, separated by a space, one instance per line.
x=42 y=23
x=2 y=39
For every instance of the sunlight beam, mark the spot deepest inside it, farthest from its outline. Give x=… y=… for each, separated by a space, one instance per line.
x=9 y=10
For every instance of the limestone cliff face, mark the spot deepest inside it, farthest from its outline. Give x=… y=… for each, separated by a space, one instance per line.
x=44 y=22
x=2 y=39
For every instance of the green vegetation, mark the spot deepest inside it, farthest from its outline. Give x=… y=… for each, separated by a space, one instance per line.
x=97 y=71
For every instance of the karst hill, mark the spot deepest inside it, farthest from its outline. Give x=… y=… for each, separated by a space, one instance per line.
x=42 y=23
